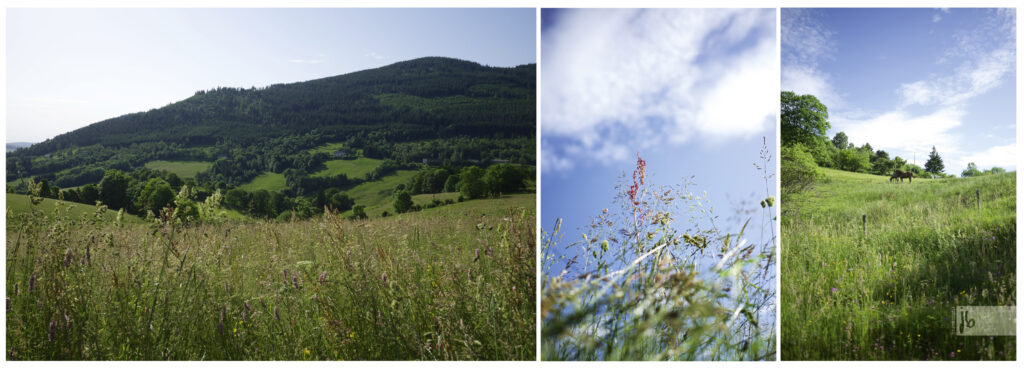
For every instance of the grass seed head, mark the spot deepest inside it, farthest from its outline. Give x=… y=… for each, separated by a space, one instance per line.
x=322 y=277
x=276 y=315
x=295 y=282
x=32 y=283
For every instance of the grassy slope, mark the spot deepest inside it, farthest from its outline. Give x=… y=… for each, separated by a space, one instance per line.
x=889 y=294
x=184 y=169
x=17 y=204
x=426 y=198
x=267 y=181
x=376 y=195
x=403 y=287
x=356 y=168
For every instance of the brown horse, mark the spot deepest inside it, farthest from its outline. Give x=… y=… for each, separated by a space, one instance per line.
x=898 y=174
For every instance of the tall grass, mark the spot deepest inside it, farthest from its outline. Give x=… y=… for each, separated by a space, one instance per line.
x=640 y=286
x=888 y=293
x=455 y=282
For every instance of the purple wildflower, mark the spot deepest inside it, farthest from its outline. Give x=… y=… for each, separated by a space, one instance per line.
x=834 y=290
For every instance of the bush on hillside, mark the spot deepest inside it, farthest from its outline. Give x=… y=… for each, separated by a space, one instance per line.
x=799 y=172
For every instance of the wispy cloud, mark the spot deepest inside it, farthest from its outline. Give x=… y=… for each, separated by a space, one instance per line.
x=986 y=55
x=936 y=18
x=306 y=61
x=374 y=55
x=617 y=81
x=806 y=43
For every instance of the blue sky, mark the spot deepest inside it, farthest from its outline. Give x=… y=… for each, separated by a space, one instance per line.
x=694 y=92
x=67 y=68
x=905 y=80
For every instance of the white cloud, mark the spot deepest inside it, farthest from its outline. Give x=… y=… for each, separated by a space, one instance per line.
x=1004 y=156
x=806 y=80
x=974 y=77
x=617 y=81
x=903 y=134
x=936 y=18
x=806 y=42
x=374 y=55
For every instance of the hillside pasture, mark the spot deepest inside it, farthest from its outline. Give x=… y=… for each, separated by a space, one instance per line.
x=354 y=169
x=269 y=181
x=184 y=169
x=884 y=289
x=19 y=204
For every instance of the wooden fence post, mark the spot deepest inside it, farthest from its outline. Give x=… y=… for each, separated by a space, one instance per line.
x=977 y=193
x=864 y=224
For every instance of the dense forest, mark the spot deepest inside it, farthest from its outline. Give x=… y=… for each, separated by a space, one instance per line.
x=437 y=115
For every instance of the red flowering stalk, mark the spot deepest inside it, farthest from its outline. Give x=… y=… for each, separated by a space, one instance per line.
x=639 y=174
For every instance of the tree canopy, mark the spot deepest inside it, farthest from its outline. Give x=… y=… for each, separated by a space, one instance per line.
x=804 y=120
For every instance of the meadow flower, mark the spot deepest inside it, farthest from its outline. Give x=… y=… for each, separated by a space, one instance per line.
x=276 y=315
x=295 y=281
x=32 y=283
x=834 y=290
x=322 y=277
x=68 y=259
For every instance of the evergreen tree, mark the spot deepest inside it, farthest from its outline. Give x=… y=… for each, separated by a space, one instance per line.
x=403 y=201
x=934 y=163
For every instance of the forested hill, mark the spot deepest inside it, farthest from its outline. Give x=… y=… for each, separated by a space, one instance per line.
x=420 y=99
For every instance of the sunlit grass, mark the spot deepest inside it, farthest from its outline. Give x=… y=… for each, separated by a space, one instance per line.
x=455 y=282
x=888 y=293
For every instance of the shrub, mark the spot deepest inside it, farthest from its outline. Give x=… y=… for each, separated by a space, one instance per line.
x=799 y=172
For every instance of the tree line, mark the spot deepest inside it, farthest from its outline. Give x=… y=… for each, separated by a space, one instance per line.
x=806 y=146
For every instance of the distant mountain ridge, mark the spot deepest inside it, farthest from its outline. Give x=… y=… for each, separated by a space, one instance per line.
x=425 y=98
x=11 y=146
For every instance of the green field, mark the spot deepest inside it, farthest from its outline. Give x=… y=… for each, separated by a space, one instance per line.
x=267 y=181
x=887 y=293
x=328 y=148
x=451 y=283
x=426 y=198
x=184 y=169
x=376 y=195
x=17 y=204
x=355 y=169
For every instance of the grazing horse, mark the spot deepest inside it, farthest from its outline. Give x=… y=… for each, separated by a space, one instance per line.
x=898 y=174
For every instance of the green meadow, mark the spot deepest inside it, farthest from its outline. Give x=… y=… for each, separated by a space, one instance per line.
x=355 y=168
x=455 y=282
x=17 y=204
x=885 y=289
x=184 y=169
x=269 y=181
